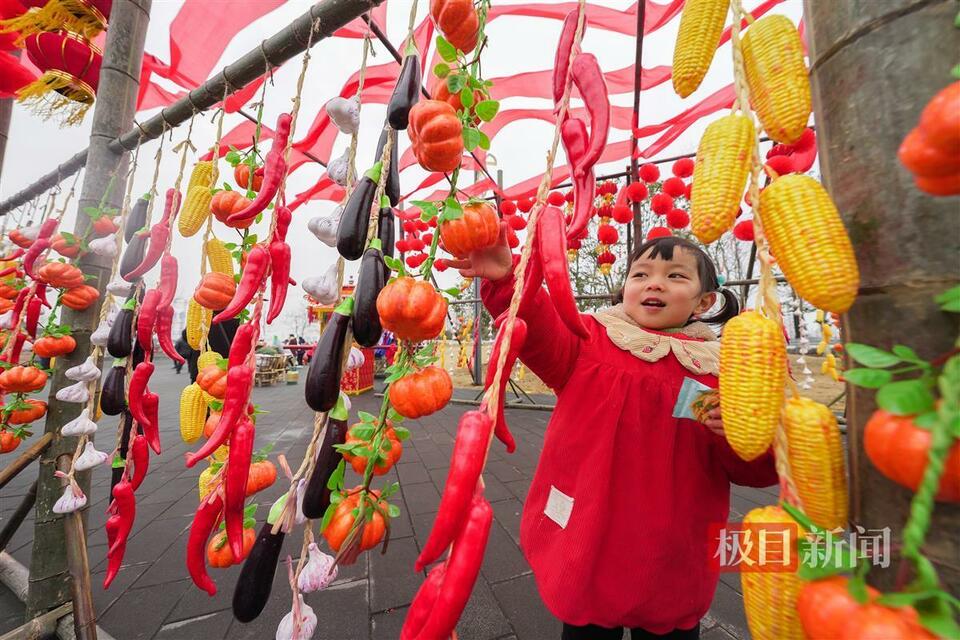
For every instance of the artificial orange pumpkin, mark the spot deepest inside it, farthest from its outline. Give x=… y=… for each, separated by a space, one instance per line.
x=8 y=441
x=421 y=393
x=61 y=275
x=459 y=22
x=67 y=247
x=79 y=298
x=225 y=203
x=390 y=451
x=262 y=474
x=343 y=518
x=16 y=236
x=219 y=554
x=213 y=380
x=53 y=346
x=215 y=291
x=478 y=228
x=436 y=135
x=22 y=379
x=899 y=449
x=411 y=309
x=826 y=605
x=36 y=411
x=104 y=226
x=241 y=173
x=5 y=305
x=8 y=292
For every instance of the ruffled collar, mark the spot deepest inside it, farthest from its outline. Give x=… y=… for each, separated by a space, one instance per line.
x=696 y=346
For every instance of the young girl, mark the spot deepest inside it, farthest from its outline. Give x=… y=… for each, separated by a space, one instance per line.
x=616 y=522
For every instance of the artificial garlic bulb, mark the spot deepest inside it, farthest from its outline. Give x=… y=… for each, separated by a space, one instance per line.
x=339 y=168
x=355 y=360
x=6 y=320
x=301 y=489
x=119 y=288
x=84 y=372
x=81 y=425
x=90 y=458
x=76 y=392
x=308 y=624
x=325 y=227
x=323 y=288
x=71 y=500
x=101 y=334
x=319 y=571
x=106 y=246
x=345 y=113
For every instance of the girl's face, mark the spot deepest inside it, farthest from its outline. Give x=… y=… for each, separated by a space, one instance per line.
x=663 y=294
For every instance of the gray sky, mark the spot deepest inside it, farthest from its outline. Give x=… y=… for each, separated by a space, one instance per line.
x=517 y=44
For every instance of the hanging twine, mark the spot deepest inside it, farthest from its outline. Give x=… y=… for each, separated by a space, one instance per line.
x=156 y=177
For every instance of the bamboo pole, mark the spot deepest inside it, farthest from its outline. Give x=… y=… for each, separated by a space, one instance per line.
x=17 y=517
x=25 y=458
x=84 y=616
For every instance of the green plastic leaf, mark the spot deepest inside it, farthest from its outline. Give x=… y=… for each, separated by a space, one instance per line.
x=452 y=209
x=446 y=50
x=455 y=83
x=905 y=397
x=402 y=433
x=339 y=411
x=453 y=292
x=484 y=141
x=471 y=138
x=393 y=511
x=937 y=617
x=868 y=378
x=907 y=354
x=949 y=300
x=871 y=356
x=927 y=420
x=466 y=97
x=118 y=462
x=363 y=431
x=394 y=417
x=487 y=110
x=335 y=481
x=442 y=70
x=345 y=308
x=276 y=509
x=328 y=516
x=367 y=417
x=130 y=304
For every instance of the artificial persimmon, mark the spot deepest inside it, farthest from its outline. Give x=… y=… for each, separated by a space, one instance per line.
x=104 y=226
x=411 y=309
x=342 y=521
x=478 y=228
x=211 y=423
x=421 y=393
x=213 y=380
x=219 y=554
x=241 y=174
x=215 y=291
x=68 y=247
x=442 y=92
x=390 y=451
x=54 y=345
x=79 y=298
x=225 y=203
x=26 y=415
x=436 y=135
x=262 y=474
x=459 y=22
x=61 y=275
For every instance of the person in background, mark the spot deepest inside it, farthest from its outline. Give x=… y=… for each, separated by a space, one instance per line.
x=184 y=349
x=300 y=341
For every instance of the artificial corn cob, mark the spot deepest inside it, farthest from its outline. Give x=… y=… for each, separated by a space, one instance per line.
x=208 y=358
x=206 y=476
x=197 y=318
x=193 y=413
x=816 y=461
x=219 y=257
x=701 y=24
x=770 y=597
x=777 y=77
x=809 y=242
x=202 y=175
x=753 y=369
x=196 y=210
x=220 y=455
x=720 y=175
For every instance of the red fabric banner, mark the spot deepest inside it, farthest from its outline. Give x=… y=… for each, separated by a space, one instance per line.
x=722 y=99
x=598 y=17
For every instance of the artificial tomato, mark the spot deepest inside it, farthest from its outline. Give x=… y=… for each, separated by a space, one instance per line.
x=219 y=554
x=342 y=521
x=390 y=451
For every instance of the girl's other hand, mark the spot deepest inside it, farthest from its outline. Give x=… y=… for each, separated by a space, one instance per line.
x=714 y=422
x=493 y=263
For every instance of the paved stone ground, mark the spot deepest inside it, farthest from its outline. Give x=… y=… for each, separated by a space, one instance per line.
x=152 y=596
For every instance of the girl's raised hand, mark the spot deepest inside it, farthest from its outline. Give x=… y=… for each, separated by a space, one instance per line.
x=714 y=422
x=493 y=263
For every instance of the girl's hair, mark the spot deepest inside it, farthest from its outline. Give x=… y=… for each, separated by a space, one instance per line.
x=663 y=248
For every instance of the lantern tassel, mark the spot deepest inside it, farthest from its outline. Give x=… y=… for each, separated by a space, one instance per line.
x=72 y=15
x=69 y=107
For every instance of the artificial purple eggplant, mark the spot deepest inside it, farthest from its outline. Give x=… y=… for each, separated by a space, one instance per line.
x=391 y=187
x=113 y=401
x=136 y=220
x=406 y=92
x=373 y=277
x=252 y=592
x=316 y=496
x=386 y=231
x=322 y=387
x=355 y=220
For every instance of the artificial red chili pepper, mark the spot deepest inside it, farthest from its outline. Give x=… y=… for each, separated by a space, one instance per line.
x=124 y=505
x=574 y=135
x=254 y=274
x=532 y=283
x=274 y=171
x=151 y=429
x=168 y=280
x=33 y=316
x=553 y=256
x=8 y=270
x=163 y=328
x=19 y=302
x=141 y=460
x=136 y=391
x=500 y=429
x=159 y=236
x=242 y=345
x=147 y=319
x=13 y=256
x=239 y=385
x=463 y=566
x=47 y=228
x=18 y=341
x=114 y=554
x=41 y=292
x=205 y=519
x=423 y=603
x=235 y=483
x=469 y=454
x=284 y=217
x=279 y=277
x=36 y=249
x=561 y=63
x=588 y=77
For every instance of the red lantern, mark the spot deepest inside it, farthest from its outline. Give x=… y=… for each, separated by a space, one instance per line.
x=743 y=230
x=555 y=198
x=410 y=226
x=605 y=262
x=649 y=173
x=637 y=192
x=674 y=187
x=13 y=75
x=604 y=211
x=568 y=196
x=508 y=207
x=683 y=168
x=678 y=219
x=70 y=66
x=607 y=234
x=525 y=204
x=83 y=17
x=687 y=190
x=516 y=222
x=440 y=265
x=661 y=204
x=415 y=260
x=623 y=214
x=658 y=232
x=512 y=240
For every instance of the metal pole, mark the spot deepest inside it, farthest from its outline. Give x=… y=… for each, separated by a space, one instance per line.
x=322 y=19
x=886 y=59
x=50 y=579
x=6 y=112
x=637 y=225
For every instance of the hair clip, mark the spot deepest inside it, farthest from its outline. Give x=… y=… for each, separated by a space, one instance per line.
x=721 y=280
